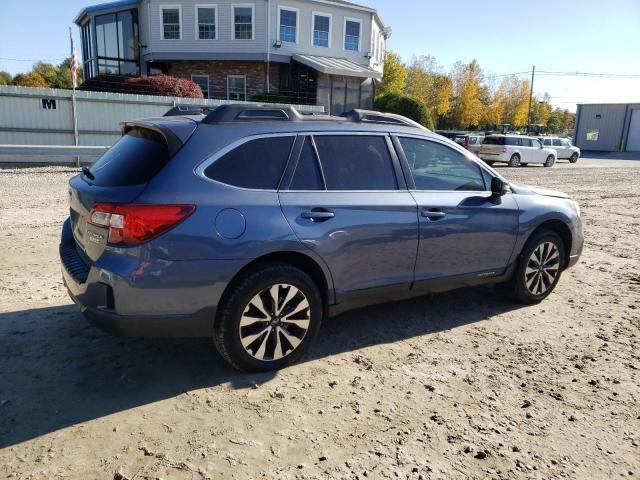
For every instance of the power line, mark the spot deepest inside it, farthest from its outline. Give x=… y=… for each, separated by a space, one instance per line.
x=32 y=59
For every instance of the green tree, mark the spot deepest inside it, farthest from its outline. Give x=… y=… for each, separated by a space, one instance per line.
x=5 y=78
x=402 y=104
x=394 y=75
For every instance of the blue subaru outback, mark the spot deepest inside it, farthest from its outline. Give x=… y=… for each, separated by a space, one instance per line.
x=251 y=224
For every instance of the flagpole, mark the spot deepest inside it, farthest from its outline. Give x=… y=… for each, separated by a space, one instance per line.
x=73 y=98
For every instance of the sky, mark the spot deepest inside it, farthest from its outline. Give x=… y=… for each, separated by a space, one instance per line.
x=587 y=36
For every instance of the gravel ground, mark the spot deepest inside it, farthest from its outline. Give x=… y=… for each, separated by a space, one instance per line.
x=460 y=385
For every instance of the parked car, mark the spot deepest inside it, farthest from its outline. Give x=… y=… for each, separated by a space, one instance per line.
x=516 y=150
x=250 y=225
x=563 y=148
x=470 y=141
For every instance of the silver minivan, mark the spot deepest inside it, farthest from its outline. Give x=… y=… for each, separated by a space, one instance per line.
x=516 y=150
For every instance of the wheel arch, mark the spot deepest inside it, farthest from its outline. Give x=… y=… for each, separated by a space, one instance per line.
x=299 y=260
x=559 y=227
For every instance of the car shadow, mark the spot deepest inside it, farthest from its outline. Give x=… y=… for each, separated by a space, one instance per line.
x=57 y=371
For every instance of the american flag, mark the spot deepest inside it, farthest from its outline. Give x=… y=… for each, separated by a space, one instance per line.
x=73 y=63
x=74 y=68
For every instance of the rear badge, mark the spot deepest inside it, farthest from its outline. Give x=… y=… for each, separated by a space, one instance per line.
x=95 y=237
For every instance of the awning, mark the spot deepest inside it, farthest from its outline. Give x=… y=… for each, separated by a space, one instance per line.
x=337 y=66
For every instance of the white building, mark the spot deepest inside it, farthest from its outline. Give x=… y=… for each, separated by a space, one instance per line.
x=326 y=52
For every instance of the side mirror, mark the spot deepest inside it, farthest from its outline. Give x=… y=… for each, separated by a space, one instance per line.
x=499 y=187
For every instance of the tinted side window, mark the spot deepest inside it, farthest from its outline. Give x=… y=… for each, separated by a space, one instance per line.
x=535 y=143
x=307 y=175
x=133 y=160
x=526 y=142
x=255 y=164
x=356 y=162
x=547 y=141
x=557 y=142
x=437 y=167
x=494 y=141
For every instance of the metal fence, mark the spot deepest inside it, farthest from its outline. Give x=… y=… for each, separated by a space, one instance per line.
x=44 y=116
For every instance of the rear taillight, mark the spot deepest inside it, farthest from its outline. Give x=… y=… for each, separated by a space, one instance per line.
x=135 y=224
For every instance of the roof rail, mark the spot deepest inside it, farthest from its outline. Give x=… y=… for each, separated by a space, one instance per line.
x=239 y=112
x=188 y=110
x=371 y=116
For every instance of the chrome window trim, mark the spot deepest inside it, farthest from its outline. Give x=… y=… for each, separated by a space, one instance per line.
x=200 y=168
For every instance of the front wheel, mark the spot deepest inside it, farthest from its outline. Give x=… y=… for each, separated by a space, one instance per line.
x=574 y=157
x=541 y=264
x=269 y=319
x=551 y=160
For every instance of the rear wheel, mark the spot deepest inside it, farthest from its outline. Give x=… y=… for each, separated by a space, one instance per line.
x=574 y=157
x=514 y=161
x=270 y=318
x=540 y=266
x=551 y=160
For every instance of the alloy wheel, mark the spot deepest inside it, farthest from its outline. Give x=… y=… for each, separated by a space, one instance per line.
x=543 y=268
x=274 y=322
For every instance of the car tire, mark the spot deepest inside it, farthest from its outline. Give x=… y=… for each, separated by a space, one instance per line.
x=514 y=161
x=574 y=157
x=539 y=268
x=263 y=324
x=551 y=160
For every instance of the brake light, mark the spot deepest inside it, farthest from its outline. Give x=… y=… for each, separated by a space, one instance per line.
x=135 y=224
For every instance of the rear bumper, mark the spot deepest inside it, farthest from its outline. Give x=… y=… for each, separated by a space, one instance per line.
x=144 y=297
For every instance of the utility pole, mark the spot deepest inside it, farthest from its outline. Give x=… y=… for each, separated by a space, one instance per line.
x=533 y=76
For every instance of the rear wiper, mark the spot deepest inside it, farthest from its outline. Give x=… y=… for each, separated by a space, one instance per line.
x=87 y=173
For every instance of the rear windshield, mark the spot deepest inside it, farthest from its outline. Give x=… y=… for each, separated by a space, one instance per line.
x=133 y=160
x=493 y=141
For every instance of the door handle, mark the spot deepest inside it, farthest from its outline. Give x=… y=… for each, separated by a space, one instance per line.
x=432 y=213
x=318 y=214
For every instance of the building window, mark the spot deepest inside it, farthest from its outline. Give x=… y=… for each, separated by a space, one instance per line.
x=321 y=30
x=592 y=135
x=288 y=25
x=171 y=20
x=243 y=21
x=352 y=35
x=206 y=21
x=237 y=87
x=117 y=43
x=203 y=83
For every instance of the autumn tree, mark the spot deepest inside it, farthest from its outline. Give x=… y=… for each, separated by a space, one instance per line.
x=31 y=79
x=467 y=109
x=426 y=81
x=394 y=75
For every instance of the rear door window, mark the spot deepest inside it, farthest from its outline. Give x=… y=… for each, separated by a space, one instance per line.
x=557 y=142
x=356 y=162
x=256 y=164
x=133 y=160
x=307 y=175
x=547 y=142
x=438 y=167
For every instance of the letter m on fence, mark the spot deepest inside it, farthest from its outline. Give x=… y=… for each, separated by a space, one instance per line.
x=48 y=103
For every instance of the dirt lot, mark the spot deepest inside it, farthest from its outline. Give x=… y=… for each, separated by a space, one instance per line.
x=460 y=385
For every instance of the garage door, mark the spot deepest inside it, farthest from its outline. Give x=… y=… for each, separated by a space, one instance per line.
x=633 y=139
